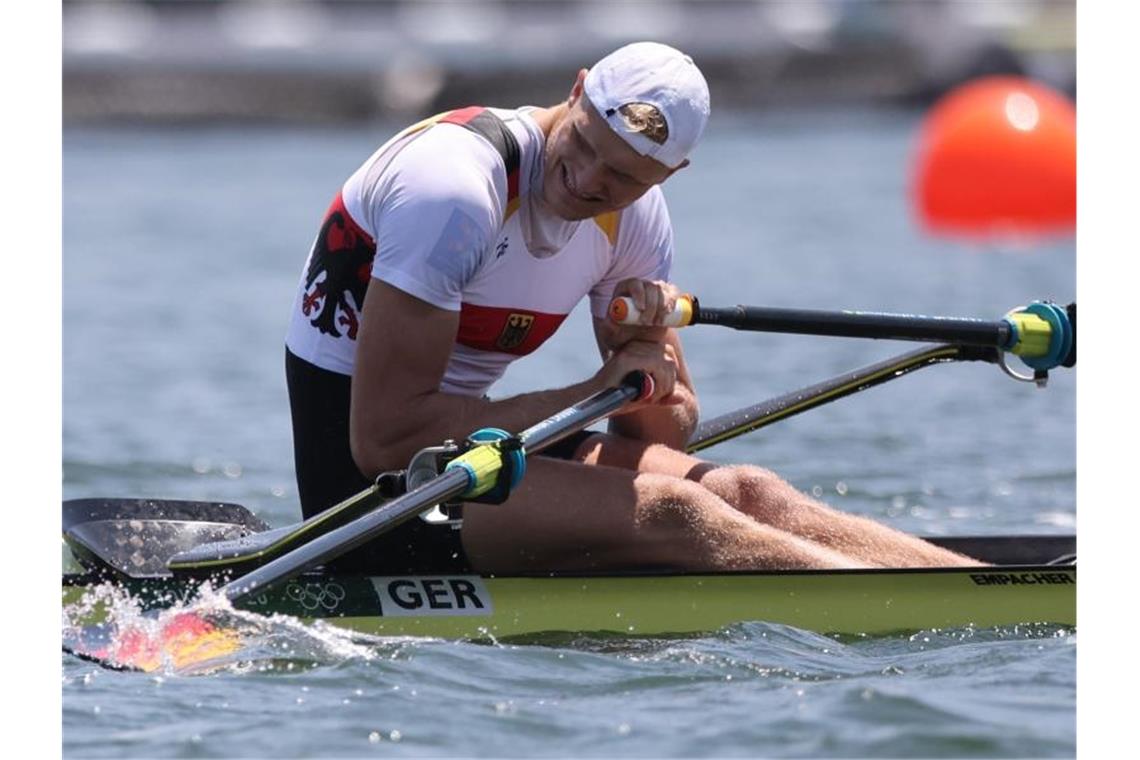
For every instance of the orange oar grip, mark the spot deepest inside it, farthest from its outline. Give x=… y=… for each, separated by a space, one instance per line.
x=623 y=311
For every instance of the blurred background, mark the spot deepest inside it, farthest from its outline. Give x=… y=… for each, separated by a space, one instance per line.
x=311 y=61
x=203 y=141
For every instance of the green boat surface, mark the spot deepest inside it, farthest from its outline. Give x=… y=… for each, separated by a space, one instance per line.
x=873 y=602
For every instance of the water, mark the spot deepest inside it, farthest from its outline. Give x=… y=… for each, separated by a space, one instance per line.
x=181 y=252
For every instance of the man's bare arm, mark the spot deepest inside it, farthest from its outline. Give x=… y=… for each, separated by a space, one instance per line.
x=671 y=422
x=397 y=407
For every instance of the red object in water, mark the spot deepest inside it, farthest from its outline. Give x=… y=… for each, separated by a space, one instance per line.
x=184 y=641
x=998 y=156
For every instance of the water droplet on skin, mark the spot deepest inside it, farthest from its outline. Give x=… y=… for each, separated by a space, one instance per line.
x=395 y=735
x=374 y=737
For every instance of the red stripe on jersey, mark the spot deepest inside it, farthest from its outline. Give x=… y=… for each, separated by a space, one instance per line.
x=344 y=236
x=462 y=115
x=510 y=331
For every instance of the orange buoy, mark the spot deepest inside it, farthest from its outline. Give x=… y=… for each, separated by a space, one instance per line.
x=998 y=156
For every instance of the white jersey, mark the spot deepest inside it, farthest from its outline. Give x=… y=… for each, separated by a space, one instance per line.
x=445 y=212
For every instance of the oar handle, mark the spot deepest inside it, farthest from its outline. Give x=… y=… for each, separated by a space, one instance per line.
x=1042 y=333
x=624 y=311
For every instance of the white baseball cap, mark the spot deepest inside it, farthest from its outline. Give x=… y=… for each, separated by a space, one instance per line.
x=662 y=76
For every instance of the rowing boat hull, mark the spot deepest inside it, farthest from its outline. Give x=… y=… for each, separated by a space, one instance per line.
x=477 y=607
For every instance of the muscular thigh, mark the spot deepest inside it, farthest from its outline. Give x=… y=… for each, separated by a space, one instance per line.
x=630 y=454
x=564 y=515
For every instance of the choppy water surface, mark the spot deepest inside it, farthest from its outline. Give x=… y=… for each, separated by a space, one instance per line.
x=181 y=252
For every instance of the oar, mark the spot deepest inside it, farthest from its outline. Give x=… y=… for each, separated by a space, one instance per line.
x=736 y=423
x=1042 y=333
x=466 y=477
x=190 y=640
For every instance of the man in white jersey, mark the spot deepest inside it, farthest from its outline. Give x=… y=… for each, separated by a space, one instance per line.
x=462 y=244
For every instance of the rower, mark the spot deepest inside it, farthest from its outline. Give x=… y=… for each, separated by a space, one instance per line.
x=462 y=244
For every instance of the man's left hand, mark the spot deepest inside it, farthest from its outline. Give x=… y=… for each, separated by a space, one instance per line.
x=655 y=300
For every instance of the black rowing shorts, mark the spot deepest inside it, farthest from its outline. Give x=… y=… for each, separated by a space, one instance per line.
x=327 y=475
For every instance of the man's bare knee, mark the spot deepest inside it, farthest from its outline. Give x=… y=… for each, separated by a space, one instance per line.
x=760 y=493
x=693 y=528
x=684 y=516
x=673 y=507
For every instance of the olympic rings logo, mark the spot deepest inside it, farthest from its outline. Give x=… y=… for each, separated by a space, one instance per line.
x=313 y=596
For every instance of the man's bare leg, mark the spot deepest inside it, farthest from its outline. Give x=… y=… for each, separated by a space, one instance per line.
x=567 y=516
x=768 y=499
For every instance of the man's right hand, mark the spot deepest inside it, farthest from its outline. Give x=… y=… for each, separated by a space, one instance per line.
x=659 y=360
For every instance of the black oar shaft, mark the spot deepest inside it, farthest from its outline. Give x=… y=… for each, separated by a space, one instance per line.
x=737 y=423
x=858 y=324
